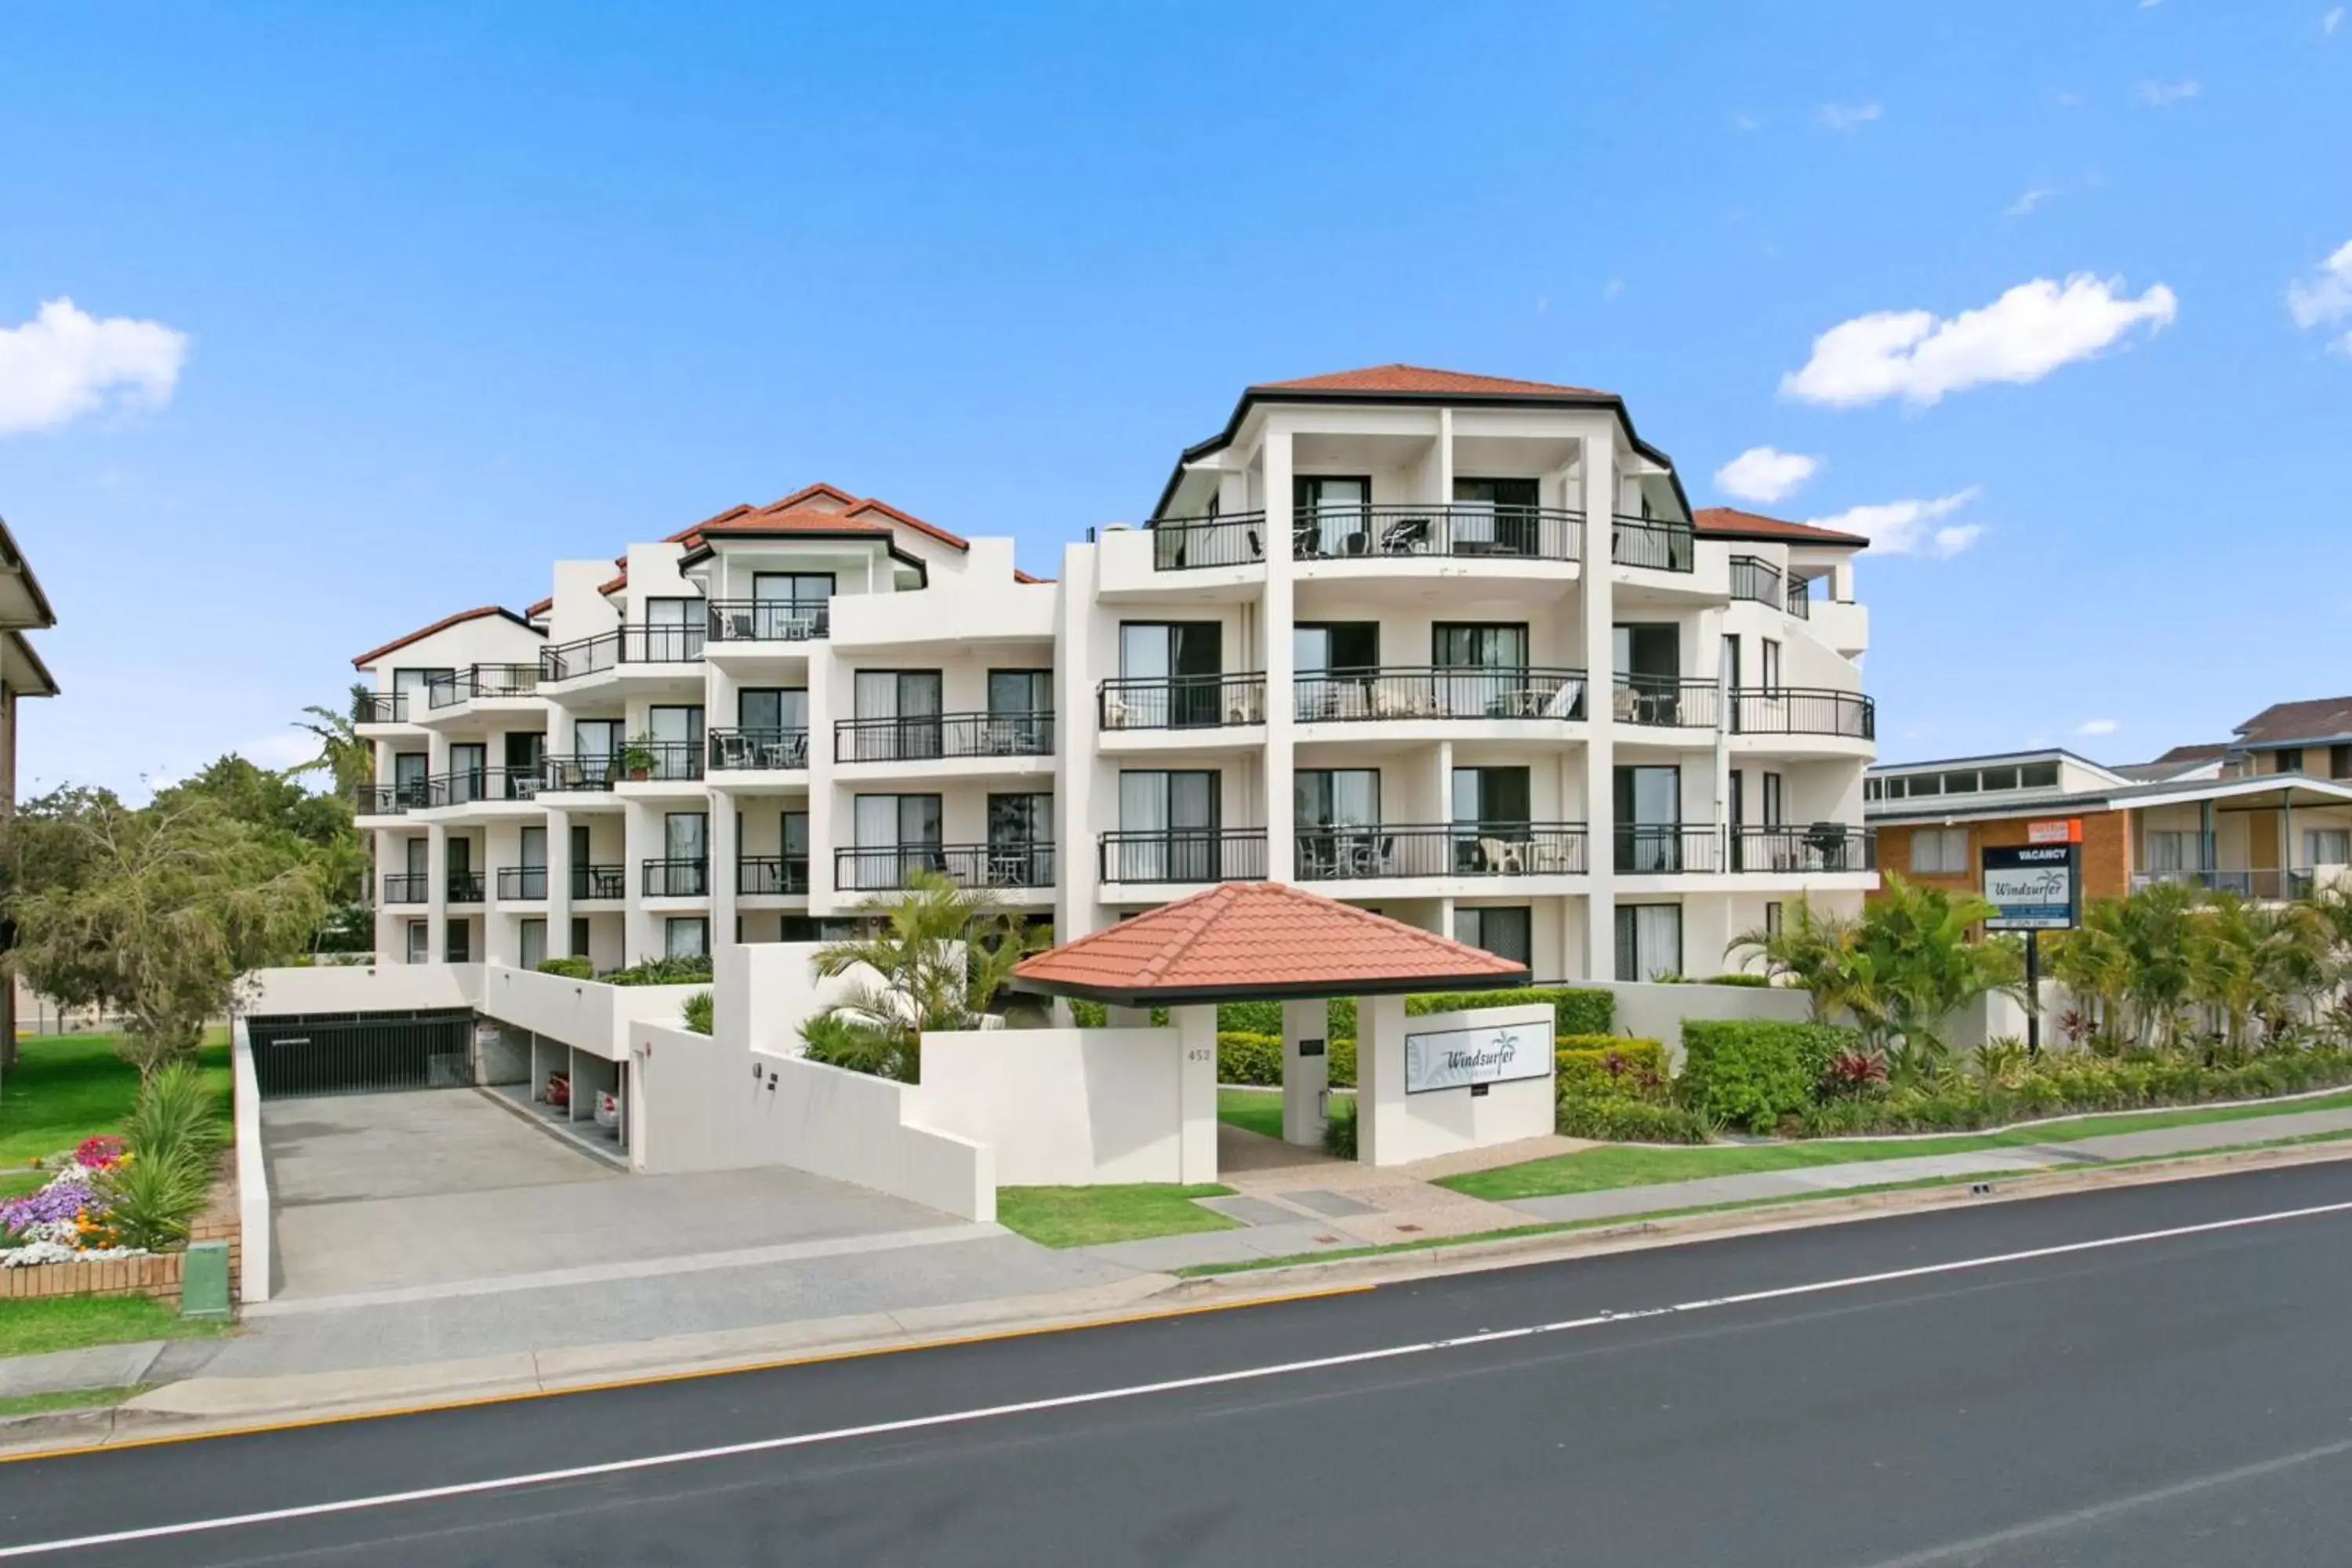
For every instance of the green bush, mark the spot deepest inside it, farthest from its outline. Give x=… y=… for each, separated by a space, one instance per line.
x=1088 y=1015
x=1340 y=1130
x=1252 y=1059
x=570 y=968
x=661 y=971
x=1575 y=1011
x=697 y=1012
x=1740 y=980
x=1617 y=1121
x=174 y=1118
x=1751 y=1073
x=1605 y=1067
x=151 y=1201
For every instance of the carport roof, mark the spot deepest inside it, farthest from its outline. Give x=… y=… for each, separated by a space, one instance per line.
x=1244 y=940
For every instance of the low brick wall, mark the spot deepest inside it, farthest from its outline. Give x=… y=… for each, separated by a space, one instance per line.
x=157 y=1276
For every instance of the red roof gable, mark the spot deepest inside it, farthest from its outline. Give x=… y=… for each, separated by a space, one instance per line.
x=1420 y=379
x=1247 y=939
x=443 y=624
x=1730 y=522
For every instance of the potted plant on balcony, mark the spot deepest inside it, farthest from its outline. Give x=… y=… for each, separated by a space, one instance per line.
x=638 y=758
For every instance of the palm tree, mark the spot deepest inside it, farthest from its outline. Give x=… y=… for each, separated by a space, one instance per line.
x=1918 y=950
x=2249 y=961
x=1810 y=950
x=345 y=758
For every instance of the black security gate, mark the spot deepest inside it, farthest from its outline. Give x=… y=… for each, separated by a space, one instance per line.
x=360 y=1053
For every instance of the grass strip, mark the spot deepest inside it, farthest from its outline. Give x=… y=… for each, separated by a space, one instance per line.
x=70 y=1399
x=1085 y=1216
x=40 y=1324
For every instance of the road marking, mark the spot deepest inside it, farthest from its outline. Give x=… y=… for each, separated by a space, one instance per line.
x=1144 y=1389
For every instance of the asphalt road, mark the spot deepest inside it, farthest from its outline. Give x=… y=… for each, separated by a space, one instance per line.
x=1901 y=1392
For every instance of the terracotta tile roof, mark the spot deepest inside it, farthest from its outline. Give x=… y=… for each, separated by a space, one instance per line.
x=1256 y=938
x=1727 y=521
x=541 y=608
x=1021 y=576
x=917 y=523
x=2322 y=718
x=769 y=520
x=443 y=624
x=1420 y=379
x=687 y=533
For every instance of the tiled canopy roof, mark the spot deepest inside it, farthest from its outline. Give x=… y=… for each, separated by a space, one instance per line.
x=1415 y=378
x=1732 y=522
x=1259 y=939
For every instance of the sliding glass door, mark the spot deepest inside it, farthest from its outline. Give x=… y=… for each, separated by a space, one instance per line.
x=1168 y=828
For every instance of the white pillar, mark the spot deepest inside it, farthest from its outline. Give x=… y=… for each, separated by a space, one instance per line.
x=826 y=833
x=1076 y=891
x=1380 y=1075
x=1599 y=465
x=1196 y=1040
x=1274 y=639
x=641 y=840
x=558 y=885
x=720 y=845
x=436 y=893
x=1306 y=1071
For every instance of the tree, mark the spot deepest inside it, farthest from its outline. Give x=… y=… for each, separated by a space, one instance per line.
x=346 y=759
x=934 y=958
x=43 y=848
x=1918 y=950
x=2131 y=954
x=1811 y=951
x=174 y=905
x=2249 y=961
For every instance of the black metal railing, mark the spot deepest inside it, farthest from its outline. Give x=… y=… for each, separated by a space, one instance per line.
x=768 y=620
x=1442 y=849
x=482 y=681
x=770 y=875
x=469 y=786
x=943 y=735
x=524 y=882
x=407 y=888
x=1182 y=702
x=2264 y=882
x=733 y=750
x=1803 y=710
x=644 y=761
x=1236 y=539
x=886 y=868
x=1653 y=542
x=1667 y=701
x=379 y=708
x=1648 y=849
x=580 y=771
x=465 y=887
x=1184 y=854
x=1755 y=579
x=676 y=879
x=1817 y=846
x=626 y=645
x=392 y=799
x=1394 y=528
x=1798 y=600
x=1340 y=696
x=593 y=881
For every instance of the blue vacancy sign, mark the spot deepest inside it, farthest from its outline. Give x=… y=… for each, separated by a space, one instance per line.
x=2032 y=887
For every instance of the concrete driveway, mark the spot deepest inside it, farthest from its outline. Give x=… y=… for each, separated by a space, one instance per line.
x=427 y=1194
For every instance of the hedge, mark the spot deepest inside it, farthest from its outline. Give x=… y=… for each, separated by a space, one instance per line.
x=1603 y=1066
x=1254 y=1058
x=1617 y=1120
x=1752 y=1072
x=1575 y=1011
x=2072 y=1084
x=570 y=968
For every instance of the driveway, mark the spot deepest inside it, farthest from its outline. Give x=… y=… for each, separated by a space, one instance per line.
x=432 y=1191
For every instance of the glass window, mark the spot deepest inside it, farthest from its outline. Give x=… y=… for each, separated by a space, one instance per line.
x=1939 y=851
x=687 y=937
x=1329 y=515
x=1874 y=789
x=579 y=936
x=534 y=943
x=1773 y=918
x=2326 y=846
x=1963 y=782
x=2171 y=851
x=675 y=629
x=417 y=945
x=1017 y=692
x=1020 y=820
x=1999 y=778
x=1649 y=941
x=1771 y=662
x=1338 y=797
x=2038 y=775
x=460 y=941
x=1505 y=932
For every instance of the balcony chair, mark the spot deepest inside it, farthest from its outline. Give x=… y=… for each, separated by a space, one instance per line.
x=1568 y=702
x=1505 y=857
x=1406 y=536
x=734 y=752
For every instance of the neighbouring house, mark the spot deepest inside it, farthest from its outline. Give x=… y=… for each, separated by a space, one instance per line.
x=23 y=608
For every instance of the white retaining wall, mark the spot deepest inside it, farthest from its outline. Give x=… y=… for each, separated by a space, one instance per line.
x=252 y=1174
x=587 y=1014
x=353 y=988
x=1648 y=1011
x=1393 y=1127
x=1066 y=1107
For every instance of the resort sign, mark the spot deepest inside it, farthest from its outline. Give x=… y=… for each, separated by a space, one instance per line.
x=2032 y=887
x=1456 y=1058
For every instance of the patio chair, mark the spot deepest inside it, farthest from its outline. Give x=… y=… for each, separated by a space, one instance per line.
x=1504 y=856
x=1406 y=536
x=1568 y=702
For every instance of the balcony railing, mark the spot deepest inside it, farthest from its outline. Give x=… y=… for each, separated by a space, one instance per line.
x=676 y=879
x=1666 y=702
x=1649 y=849
x=392 y=799
x=771 y=874
x=1438 y=692
x=626 y=645
x=591 y=882
x=768 y=620
x=663 y=762
x=1819 y=847
x=380 y=708
x=1182 y=702
x=482 y=681
x=733 y=750
x=943 y=735
x=580 y=771
x=1436 y=528
x=1798 y=600
x=1236 y=539
x=2270 y=883
x=466 y=887
x=524 y=883
x=1446 y=849
x=469 y=786
x=887 y=868
x=1803 y=710
x=1652 y=542
x=1184 y=854
x=1757 y=580
x=407 y=888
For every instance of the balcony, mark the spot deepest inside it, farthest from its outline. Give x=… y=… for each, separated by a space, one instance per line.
x=1184 y=854
x=522 y=884
x=482 y=681
x=465 y=887
x=1821 y=846
x=1665 y=848
x=380 y=708
x=769 y=876
x=768 y=620
x=1438 y=692
x=943 y=735
x=1183 y=702
x=471 y=787
x=1393 y=531
x=1666 y=701
x=1652 y=542
x=2269 y=884
x=392 y=799
x=738 y=750
x=658 y=761
x=622 y=646
x=407 y=888
x=579 y=772
x=1235 y=540
x=889 y=868
x=678 y=878
x=592 y=883
x=1803 y=710
x=1442 y=849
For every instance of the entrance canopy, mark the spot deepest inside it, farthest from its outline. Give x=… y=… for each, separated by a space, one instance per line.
x=1246 y=940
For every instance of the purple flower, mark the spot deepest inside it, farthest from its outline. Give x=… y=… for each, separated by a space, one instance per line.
x=61 y=1201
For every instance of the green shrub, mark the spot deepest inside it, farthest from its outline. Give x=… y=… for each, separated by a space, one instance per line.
x=1630 y=1121
x=174 y=1117
x=697 y=1012
x=570 y=968
x=661 y=971
x=1339 y=1067
x=1088 y=1015
x=1251 y=1058
x=1740 y=980
x=1250 y=1018
x=1575 y=1011
x=1605 y=1067
x=152 y=1200
x=1340 y=1130
x=1751 y=1072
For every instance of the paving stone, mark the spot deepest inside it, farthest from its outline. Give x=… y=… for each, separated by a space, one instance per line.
x=1335 y=1205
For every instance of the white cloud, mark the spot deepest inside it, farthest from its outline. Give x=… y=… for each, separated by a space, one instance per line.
x=2324 y=298
x=63 y=364
x=2330 y=22
x=2023 y=336
x=2165 y=94
x=1900 y=527
x=2029 y=201
x=2097 y=727
x=1765 y=474
x=1846 y=116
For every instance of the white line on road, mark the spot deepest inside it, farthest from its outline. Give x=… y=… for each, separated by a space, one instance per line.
x=1141 y=1390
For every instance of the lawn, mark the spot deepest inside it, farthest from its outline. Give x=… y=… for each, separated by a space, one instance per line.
x=66 y=1087
x=1255 y=1110
x=72 y=1399
x=69 y=1322
x=1082 y=1216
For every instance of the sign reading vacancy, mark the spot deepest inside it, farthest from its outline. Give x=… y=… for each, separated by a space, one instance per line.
x=2031 y=886
x=1454 y=1058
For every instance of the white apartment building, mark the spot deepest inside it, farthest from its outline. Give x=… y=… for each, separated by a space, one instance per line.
x=1449 y=647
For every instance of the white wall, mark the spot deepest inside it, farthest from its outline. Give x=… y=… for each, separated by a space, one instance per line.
x=1394 y=1128
x=1650 y=1012
x=253 y=1235
x=593 y=1016
x=353 y=988
x=1061 y=1107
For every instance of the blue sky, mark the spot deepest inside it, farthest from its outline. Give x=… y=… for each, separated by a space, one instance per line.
x=460 y=291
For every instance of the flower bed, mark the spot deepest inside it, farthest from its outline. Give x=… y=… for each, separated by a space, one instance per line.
x=65 y=1221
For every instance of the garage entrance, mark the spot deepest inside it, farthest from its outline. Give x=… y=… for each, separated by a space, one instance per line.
x=360 y=1053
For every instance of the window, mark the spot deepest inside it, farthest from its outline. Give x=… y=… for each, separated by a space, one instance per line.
x=1486 y=664
x=1336 y=798
x=1963 y=782
x=1649 y=803
x=1771 y=661
x=534 y=943
x=1772 y=817
x=524 y=750
x=1329 y=515
x=1505 y=932
x=418 y=944
x=1939 y=851
x=1331 y=661
x=1019 y=693
x=1731 y=661
x=1168 y=828
x=2175 y=851
x=1773 y=918
x=413 y=684
x=2326 y=846
x=1170 y=673
x=1649 y=941
x=1497 y=516
x=684 y=871
x=677 y=741
x=579 y=936
x=796 y=841
x=1874 y=789
x=899 y=711
x=1998 y=778
x=458 y=855
x=893 y=835
x=2038 y=775
x=810 y=589
x=409 y=771
x=468 y=770
x=675 y=629
x=461 y=942
x=686 y=937
x=2289 y=760
x=2339 y=762
x=1020 y=820
x=1652 y=652
x=771 y=710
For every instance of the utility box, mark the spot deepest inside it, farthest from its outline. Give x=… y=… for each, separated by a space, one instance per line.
x=204 y=1280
